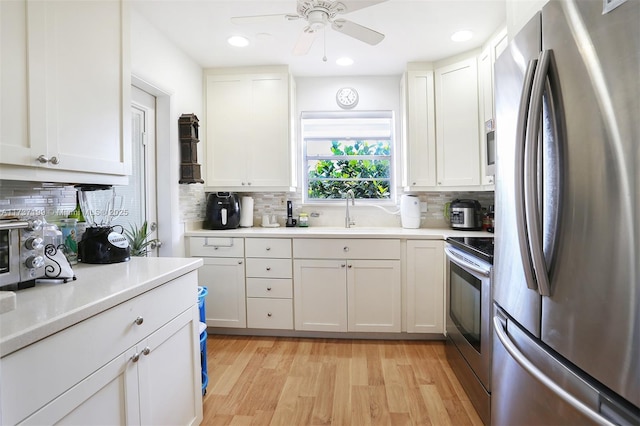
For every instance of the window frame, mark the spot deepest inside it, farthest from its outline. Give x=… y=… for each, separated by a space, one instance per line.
x=352 y=116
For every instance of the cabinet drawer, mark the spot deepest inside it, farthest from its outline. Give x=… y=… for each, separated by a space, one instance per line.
x=216 y=247
x=270 y=313
x=67 y=357
x=343 y=248
x=268 y=247
x=270 y=288
x=269 y=268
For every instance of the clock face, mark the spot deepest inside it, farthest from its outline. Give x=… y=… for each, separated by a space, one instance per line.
x=347 y=97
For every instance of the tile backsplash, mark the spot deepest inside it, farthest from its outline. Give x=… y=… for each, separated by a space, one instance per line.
x=54 y=201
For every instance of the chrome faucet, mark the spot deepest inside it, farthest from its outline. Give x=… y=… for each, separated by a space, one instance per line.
x=347 y=219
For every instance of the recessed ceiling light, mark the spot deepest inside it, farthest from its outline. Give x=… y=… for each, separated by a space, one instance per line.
x=344 y=61
x=238 y=41
x=463 y=35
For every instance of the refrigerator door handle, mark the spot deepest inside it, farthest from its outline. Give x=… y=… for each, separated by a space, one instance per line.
x=531 y=188
x=530 y=368
x=521 y=137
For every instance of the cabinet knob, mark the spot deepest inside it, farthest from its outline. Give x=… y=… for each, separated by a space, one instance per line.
x=414 y=184
x=239 y=262
x=268 y=248
x=146 y=351
x=44 y=160
x=346 y=249
x=269 y=314
x=342 y=265
x=138 y=321
x=135 y=357
x=350 y=266
x=268 y=268
x=268 y=288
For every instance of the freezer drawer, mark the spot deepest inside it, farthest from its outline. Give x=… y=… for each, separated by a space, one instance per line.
x=524 y=373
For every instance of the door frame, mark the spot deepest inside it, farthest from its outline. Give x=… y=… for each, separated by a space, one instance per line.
x=168 y=197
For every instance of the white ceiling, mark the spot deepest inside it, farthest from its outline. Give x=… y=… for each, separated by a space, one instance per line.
x=415 y=30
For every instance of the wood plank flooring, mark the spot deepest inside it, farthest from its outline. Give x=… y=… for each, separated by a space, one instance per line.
x=296 y=381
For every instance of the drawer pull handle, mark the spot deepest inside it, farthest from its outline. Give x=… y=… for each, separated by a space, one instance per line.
x=268 y=288
x=138 y=321
x=269 y=314
x=268 y=268
x=135 y=357
x=146 y=351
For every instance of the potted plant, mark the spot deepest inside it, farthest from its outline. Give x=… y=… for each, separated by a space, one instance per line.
x=138 y=239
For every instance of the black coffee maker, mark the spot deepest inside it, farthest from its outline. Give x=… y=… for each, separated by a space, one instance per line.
x=222 y=211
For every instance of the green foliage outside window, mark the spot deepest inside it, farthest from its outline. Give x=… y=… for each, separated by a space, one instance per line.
x=363 y=166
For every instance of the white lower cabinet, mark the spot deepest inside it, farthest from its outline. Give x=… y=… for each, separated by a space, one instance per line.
x=425 y=301
x=345 y=288
x=269 y=283
x=136 y=363
x=223 y=273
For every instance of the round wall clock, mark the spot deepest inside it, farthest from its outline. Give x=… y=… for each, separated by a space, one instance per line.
x=347 y=97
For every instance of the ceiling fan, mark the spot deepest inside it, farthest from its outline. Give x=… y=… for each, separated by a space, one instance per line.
x=319 y=14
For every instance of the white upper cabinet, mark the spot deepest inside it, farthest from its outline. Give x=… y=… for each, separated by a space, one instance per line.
x=419 y=130
x=457 y=127
x=65 y=90
x=248 y=128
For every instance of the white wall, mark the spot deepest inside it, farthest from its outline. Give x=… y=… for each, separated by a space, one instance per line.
x=168 y=73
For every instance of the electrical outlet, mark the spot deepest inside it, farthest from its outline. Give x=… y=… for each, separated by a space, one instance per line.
x=282 y=201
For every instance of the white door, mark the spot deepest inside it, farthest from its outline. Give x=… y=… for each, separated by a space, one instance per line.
x=139 y=197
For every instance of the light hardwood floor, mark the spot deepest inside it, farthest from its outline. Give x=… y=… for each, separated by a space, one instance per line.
x=294 y=381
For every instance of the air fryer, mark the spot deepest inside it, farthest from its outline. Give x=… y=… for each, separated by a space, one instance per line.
x=223 y=211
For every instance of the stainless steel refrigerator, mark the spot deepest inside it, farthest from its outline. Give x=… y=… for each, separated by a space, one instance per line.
x=566 y=344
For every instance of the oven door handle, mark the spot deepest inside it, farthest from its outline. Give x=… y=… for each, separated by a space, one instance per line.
x=463 y=263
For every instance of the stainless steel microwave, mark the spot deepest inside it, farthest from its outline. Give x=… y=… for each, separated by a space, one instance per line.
x=21 y=253
x=490 y=147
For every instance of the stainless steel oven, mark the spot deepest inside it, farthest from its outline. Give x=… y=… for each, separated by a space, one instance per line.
x=469 y=331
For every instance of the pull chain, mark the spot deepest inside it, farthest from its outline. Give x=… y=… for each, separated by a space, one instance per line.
x=324 y=32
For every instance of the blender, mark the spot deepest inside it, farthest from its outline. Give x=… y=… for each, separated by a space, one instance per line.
x=100 y=243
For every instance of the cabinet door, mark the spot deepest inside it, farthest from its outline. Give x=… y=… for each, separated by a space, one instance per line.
x=269 y=152
x=457 y=127
x=225 y=303
x=228 y=130
x=108 y=396
x=420 y=146
x=15 y=145
x=320 y=295
x=425 y=301
x=79 y=85
x=169 y=373
x=374 y=295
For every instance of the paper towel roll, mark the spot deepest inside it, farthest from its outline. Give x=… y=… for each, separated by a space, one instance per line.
x=246 y=212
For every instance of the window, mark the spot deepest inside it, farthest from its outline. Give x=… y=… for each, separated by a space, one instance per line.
x=347 y=150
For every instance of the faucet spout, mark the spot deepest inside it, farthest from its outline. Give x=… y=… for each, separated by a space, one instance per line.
x=347 y=219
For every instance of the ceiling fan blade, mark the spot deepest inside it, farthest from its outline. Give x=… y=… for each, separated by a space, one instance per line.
x=304 y=43
x=357 y=31
x=263 y=18
x=351 y=5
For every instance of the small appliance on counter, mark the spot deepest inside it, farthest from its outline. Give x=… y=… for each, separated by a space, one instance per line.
x=100 y=244
x=465 y=215
x=410 y=211
x=222 y=211
x=291 y=222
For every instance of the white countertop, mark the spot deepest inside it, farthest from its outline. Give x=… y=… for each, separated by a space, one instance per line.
x=50 y=307
x=337 y=232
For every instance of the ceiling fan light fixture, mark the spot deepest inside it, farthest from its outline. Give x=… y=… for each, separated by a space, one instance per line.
x=344 y=61
x=462 y=35
x=238 y=41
